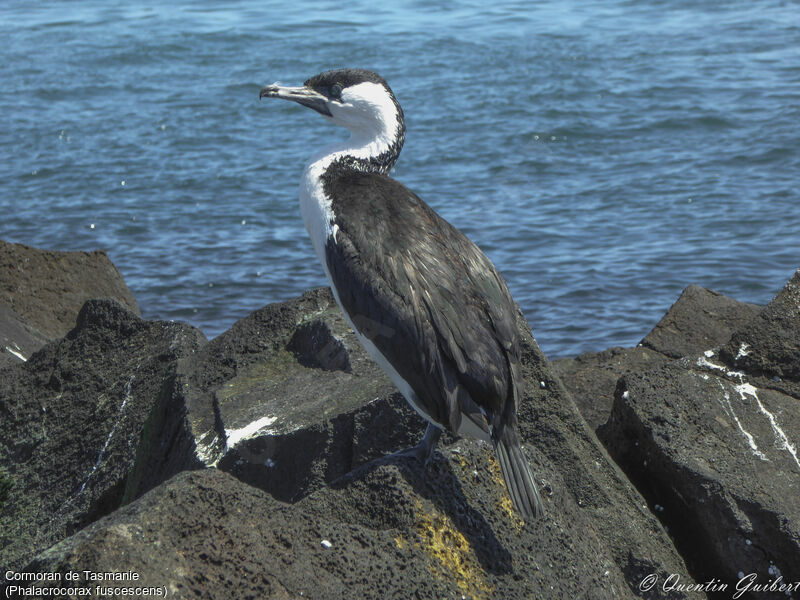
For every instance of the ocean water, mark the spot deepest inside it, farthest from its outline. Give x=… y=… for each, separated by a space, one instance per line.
x=604 y=154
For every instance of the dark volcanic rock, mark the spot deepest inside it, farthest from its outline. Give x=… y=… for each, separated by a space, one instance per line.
x=388 y=533
x=299 y=426
x=80 y=420
x=700 y=319
x=591 y=377
x=47 y=288
x=769 y=345
x=273 y=398
x=18 y=340
x=551 y=424
x=718 y=451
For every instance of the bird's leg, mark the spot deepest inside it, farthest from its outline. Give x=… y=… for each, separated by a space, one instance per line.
x=424 y=448
x=422 y=452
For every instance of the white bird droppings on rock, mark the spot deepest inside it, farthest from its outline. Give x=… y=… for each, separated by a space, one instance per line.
x=16 y=353
x=743 y=351
x=237 y=435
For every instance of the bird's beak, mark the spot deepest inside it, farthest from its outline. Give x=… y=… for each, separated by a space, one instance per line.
x=302 y=95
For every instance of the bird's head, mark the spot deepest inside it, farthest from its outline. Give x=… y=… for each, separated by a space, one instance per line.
x=357 y=99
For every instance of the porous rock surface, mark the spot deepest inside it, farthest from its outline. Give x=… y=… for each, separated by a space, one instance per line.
x=41 y=292
x=713 y=441
x=78 y=421
x=699 y=319
x=18 y=339
x=246 y=466
x=299 y=413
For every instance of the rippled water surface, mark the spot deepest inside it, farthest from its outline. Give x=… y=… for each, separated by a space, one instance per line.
x=604 y=154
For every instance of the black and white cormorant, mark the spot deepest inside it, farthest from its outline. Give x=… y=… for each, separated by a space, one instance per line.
x=425 y=302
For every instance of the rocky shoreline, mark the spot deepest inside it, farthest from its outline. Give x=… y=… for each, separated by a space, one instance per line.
x=240 y=467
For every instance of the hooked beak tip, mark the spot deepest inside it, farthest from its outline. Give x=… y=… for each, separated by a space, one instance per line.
x=302 y=95
x=268 y=91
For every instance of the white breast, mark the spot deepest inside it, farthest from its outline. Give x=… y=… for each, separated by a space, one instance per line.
x=316 y=210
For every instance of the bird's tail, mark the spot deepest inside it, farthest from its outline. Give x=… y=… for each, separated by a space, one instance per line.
x=518 y=475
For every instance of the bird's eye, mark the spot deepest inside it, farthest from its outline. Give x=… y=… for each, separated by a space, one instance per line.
x=336 y=90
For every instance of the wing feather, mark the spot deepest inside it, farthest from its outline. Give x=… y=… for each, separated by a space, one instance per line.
x=432 y=303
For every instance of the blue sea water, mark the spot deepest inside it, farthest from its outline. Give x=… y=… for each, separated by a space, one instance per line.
x=604 y=154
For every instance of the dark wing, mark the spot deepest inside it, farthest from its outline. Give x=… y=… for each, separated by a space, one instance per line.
x=450 y=330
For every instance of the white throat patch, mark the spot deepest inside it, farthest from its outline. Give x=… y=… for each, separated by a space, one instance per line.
x=367 y=110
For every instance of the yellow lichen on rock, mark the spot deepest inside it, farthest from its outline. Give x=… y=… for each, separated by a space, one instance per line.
x=452 y=557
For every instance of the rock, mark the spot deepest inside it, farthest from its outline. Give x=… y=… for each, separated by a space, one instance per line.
x=717 y=453
x=299 y=414
x=768 y=347
x=387 y=534
x=551 y=423
x=700 y=319
x=47 y=288
x=273 y=398
x=591 y=377
x=18 y=340
x=79 y=418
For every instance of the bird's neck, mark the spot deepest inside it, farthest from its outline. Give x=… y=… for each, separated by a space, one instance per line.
x=373 y=150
